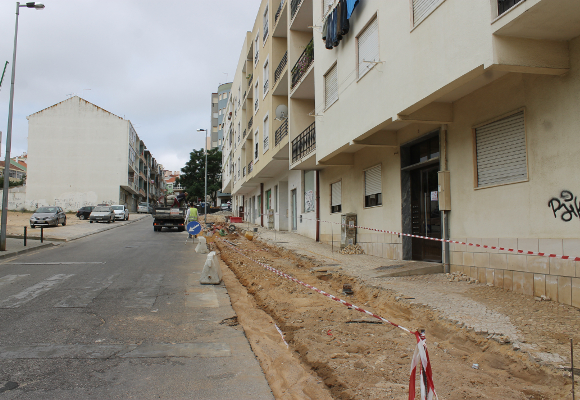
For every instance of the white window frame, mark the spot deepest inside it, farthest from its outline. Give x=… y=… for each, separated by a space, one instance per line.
x=416 y=23
x=266 y=75
x=257 y=48
x=266 y=17
x=256 y=95
x=266 y=133
x=334 y=183
x=326 y=104
x=365 y=185
x=255 y=150
x=374 y=19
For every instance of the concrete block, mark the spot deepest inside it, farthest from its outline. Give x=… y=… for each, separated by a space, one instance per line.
x=538 y=265
x=516 y=262
x=468 y=259
x=212 y=273
x=550 y=246
x=518 y=282
x=565 y=290
x=457 y=257
x=498 y=278
x=473 y=272
x=562 y=267
x=482 y=275
x=498 y=261
x=528 y=244
x=460 y=247
x=490 y=242
x=571 y=247
x=552 y=287
x=576 y=292
x=507 y=243
x=508 y=280
x=201 y=247
x=481 y=260
x=539 y=285
x=528 y=284
x=489 y=275
x=474 y=249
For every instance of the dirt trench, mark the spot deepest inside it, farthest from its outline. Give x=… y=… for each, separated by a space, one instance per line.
x=353 y=355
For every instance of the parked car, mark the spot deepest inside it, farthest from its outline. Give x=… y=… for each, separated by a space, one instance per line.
x=101 y=214
x=144 y=208
x=121 y=212
x=225 y=207
x=48 y=216
x=84 y=212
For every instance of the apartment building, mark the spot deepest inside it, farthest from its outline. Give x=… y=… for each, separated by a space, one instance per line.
x=438 y=118
x=80 y=154
x=218 y=105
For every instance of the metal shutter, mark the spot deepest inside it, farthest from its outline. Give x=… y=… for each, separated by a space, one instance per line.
x=368 y=47
x=373 y=181
x=501 y=151
x=330 y=87
x=336 y=194
x=421 y=8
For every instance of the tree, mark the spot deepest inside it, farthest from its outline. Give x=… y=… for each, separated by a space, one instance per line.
x=193 y=174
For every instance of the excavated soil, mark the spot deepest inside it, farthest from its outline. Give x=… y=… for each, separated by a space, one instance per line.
x=354 y=356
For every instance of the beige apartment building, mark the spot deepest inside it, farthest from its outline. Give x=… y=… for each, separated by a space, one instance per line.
x=439 y=118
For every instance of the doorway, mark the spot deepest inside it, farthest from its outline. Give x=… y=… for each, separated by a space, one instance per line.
x=294 y=211
x=425 y=215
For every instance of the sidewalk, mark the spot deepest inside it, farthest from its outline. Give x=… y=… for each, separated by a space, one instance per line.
x=540 y=328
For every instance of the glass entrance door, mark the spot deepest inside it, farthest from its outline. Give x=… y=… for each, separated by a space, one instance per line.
x=426 y=218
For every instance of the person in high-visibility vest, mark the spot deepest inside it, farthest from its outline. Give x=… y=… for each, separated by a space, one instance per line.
x=191 y=214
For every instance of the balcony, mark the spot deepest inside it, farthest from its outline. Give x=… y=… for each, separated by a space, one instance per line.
x=266 y=86
x=266 y=143
x=278 y=12
x=256 y=104
x=244 y=172
x=250 y=81
x=294 y=6
x=281 y=132
x=265 y=31
x=280 y=27
x=304 y=144
x=250 y=122
x=244 y=135
x=303 y=64
x=250 y=167
x=281 y=67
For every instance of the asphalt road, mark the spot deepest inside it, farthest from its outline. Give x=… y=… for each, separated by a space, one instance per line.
x=120 y=314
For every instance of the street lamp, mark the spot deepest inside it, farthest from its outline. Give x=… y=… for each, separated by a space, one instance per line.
x=4 y=219
x=205 y=194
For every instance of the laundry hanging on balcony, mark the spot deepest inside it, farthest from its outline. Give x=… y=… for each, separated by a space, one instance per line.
x=337 y=24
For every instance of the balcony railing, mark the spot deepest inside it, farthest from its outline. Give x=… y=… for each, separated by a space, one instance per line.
x=256 y=104
x=294 y=6
x=249 y=82
x=244 y=135
x=265 y=30
x=250 y=122
x=281 y=132
x=266 y=142
x=304 y=144
x=266 y=86
x=306 y=59
x=279 y=11
x=281 y=67
x=251 y=166
x=244 y=171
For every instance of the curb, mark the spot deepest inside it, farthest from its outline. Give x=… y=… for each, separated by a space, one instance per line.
x=15 y=253
x=103 y=230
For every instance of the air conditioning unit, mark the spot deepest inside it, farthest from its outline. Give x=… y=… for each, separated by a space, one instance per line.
x=270 y=214
x=347 y=229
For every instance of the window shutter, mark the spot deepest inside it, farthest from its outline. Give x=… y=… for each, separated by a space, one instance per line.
x=421 y=8
x=330 y=87
x=336 y=194
x=501 y=151
x=368 y=47
x=373 y=181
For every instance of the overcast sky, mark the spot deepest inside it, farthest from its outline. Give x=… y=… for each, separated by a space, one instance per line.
x=154 y=62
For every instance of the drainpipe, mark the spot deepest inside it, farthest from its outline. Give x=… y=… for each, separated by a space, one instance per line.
x=317 y=205
x=262 y=204
x=445 y=214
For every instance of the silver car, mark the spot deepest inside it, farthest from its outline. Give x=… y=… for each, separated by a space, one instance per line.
x=48 y=216
x=102 y=214
x=121 y=212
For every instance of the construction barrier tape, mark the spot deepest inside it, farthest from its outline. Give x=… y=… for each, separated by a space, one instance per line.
x=421 y=354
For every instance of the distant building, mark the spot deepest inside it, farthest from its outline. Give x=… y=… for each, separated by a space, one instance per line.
x=219 y=102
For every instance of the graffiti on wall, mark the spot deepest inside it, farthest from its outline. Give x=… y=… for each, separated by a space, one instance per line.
x=566 y=206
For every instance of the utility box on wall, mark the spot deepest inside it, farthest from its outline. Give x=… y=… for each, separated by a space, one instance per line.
x=444 y=191
x=347 y=229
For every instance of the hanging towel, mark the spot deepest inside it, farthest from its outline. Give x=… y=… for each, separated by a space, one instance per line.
x=334 y=26
x=344 y=24
x=329 y=28
x=351 y=5
x=338 y=9
x=324 y=29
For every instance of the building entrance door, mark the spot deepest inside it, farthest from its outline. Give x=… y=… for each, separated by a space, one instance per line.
x=294 y=211
x=425 y=215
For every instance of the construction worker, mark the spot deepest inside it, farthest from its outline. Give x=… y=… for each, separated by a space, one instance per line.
x=191 y=214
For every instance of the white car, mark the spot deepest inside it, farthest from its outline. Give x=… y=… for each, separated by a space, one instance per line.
x=144 y=208
x=121 y=212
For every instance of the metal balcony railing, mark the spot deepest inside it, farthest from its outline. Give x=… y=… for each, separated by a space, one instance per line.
x=250 y=80
x=304 y=144
x=266 y=86
x=251 y=166
x=281 y=132
x=281 y=67
x=250 y=122
x=256 y=104
x=244 y=172
x=294 y=6
x=244 y=135
x=265 y=31
x=266 y=142
x=279 y=11
x=306 y=59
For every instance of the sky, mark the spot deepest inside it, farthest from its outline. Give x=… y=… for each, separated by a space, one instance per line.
x=153 y=62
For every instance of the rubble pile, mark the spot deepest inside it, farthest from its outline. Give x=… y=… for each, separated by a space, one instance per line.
x=352 y=249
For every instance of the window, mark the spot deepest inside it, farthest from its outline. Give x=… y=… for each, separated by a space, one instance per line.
x=239 y=167
x=239 y=131
x=276 y=198
x=256 y=145
x=257 y=48
x=373 y=187
x=504 y=5
x=215 y=115
x=308 y=191
x=266 y=23
x=336 y=197
x=422 y=8
x=501 y=151
x=266 y=134
x=368 y=47
x=266 y=76
x=256 y=101
x=330 y=87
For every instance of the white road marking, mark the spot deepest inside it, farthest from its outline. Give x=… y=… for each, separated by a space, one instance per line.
x=82 y=297
x=34 y=291
x=8 y=279
x=60 y=263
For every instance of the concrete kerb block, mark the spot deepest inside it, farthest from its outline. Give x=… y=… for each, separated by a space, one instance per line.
x=201 y=247
x=212 y=273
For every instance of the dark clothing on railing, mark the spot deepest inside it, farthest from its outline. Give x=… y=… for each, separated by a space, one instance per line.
x=337 y=24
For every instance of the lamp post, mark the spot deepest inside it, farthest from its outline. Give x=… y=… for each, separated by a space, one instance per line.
x=4 y=218
x=205 y=194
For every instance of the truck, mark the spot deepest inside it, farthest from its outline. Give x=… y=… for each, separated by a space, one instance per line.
x=169 y=217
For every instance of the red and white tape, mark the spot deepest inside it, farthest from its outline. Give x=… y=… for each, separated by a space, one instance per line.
x=421 y=356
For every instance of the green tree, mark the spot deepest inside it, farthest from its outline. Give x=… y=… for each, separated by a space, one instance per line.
x=193 y=174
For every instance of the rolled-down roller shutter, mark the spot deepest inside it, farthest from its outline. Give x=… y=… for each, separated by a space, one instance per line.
x=373 y=181
x=336 y=194
x=501 y=151
x=423 y=7
x=330 y=87
x=368 y=47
